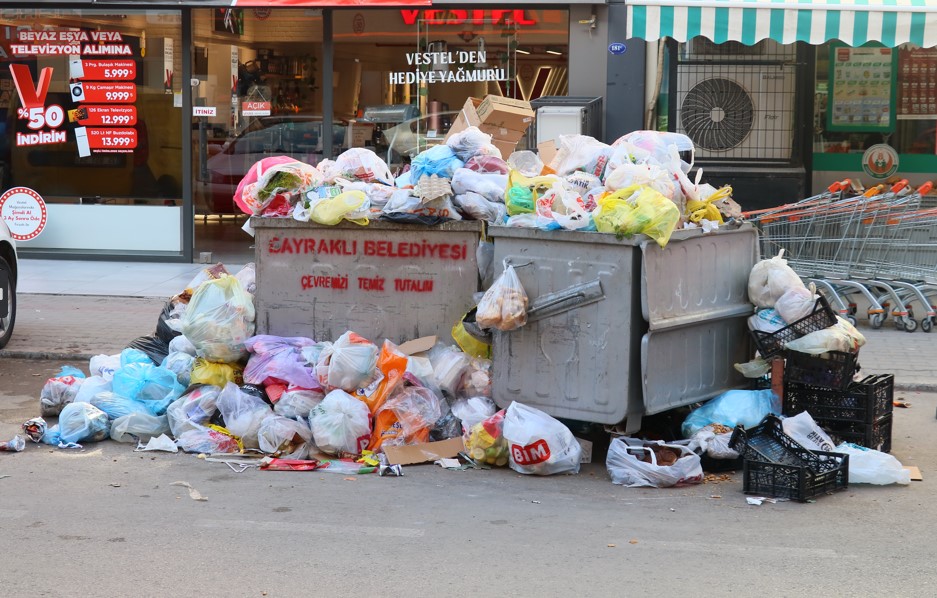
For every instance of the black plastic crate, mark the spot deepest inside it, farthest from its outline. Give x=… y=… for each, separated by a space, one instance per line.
x=772 y=343
x=876 y=435
x=862 y=402
x=777 y=465
x=833 y=369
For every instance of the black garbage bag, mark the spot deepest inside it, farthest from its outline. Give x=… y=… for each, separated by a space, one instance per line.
x=154 y=347
x=163 y=331
x=258 y=391
x=449 y=426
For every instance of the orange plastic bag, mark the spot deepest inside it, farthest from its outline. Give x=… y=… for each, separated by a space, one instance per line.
x=406 y=418
x=393 y=365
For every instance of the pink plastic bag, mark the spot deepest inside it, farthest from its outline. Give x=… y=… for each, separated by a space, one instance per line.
x=279 y=359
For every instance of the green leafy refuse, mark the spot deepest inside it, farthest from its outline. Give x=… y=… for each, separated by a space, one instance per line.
x=279 y=180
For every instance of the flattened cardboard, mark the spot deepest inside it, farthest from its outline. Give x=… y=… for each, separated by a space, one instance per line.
x=547 y=150
x=915 y=473
x=423 y=453
x=418 y=345
x=505 y=147
x=468 y=117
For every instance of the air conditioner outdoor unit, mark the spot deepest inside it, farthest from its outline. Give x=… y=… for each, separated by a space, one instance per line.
x=737 y=112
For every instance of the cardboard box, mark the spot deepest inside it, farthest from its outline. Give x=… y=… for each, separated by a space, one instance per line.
x=547 y=151
x=506 y=113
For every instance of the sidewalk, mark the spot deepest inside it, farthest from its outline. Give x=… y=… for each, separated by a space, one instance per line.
x=76 y=327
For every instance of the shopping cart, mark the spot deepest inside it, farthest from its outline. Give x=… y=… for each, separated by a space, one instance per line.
x=849 y=245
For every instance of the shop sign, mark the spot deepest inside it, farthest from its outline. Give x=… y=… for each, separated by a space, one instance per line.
x=255 y=108
x=204 y=111
x=617 y=48
x=880 y=161
x=24 y=212
x=101 y=88
x=436 y=65
x=468 y=17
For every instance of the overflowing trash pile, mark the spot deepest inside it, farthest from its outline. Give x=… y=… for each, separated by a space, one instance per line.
x=637 y=185
x=205 y=384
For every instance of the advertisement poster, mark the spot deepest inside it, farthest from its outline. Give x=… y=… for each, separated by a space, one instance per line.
x=97 y=113
x=862 y=89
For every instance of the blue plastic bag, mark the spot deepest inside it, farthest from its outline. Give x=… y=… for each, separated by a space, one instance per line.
x=116 y=406
x=732 y=408
x=439 y=160
x=128 y=356
x=157 y=387
x=82 y=422
x=68 y=370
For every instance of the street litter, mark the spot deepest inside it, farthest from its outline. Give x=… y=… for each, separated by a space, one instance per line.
x=193 y=493
x=14 y=446
x=759 y=500
x=158 y=443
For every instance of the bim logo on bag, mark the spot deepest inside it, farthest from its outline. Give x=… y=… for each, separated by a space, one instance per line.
x=538 y=452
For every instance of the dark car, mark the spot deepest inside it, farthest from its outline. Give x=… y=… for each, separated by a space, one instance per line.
x=7 y=284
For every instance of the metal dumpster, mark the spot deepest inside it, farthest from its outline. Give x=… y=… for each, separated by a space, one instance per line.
x=384 y=280
x=622 y=328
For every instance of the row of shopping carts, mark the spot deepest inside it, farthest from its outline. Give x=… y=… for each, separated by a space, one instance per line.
x=877 y=248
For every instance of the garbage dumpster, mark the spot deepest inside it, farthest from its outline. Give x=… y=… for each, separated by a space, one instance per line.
x=619 y=329
x=384 y=280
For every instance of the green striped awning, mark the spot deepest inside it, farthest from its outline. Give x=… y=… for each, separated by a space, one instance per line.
x=854 y=22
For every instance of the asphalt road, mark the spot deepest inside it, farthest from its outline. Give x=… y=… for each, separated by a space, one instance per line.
x=107 y=521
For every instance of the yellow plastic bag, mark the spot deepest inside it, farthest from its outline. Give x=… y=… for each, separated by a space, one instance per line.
x=350 y=205
x=216 y=374
x=637 y=210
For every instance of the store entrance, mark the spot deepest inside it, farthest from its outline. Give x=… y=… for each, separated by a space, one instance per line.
x=258 y=95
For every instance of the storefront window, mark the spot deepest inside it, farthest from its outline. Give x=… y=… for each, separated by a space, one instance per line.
x=90 y=110
x=874 y=95
x=259 y=95
x=404 y=75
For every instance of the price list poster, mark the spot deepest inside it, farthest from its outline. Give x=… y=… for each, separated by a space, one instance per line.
x=99 y=115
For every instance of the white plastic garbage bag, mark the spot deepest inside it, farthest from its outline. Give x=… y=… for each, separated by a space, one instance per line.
x=363 y=165
x=868 y=466
x=243 y=413
x=284 y=437
x=796 y=304
x=841 y=336
x=105 y=365
x=181 y=344
x=489 y=185
x=346 y=363
x=635 y=463
x=59 y=392
x=766 y=320
x=138 y=426
x=193 y=409
x=297 y=403
x=473 y=410
x=341 y=424
x=804 y=429
x=770 y=279
x=716 y=445
x=539 y=444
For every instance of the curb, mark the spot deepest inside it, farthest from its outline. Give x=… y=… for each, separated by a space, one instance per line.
x=47 y=355
x=915 y=386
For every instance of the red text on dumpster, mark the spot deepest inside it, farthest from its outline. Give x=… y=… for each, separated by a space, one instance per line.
x=339 y=283
x=538 y=452
x=407 y=285
x=371 y=284
x=391 y=249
